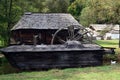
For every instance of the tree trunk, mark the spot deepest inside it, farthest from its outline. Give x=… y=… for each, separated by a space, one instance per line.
x=9 y=21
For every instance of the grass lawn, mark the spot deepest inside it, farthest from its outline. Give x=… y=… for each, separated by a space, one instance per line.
x=108 y=43
x=110 y=72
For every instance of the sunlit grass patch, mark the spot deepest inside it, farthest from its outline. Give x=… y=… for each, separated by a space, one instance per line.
x=108 y=43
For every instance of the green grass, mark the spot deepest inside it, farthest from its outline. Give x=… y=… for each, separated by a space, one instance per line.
x=108 y=43
x=111 y=72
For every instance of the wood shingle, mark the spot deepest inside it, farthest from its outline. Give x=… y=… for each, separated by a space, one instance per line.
x=45 y=21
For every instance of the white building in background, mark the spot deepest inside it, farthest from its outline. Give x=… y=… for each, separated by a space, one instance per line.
x=113 y=31
x=115 y=34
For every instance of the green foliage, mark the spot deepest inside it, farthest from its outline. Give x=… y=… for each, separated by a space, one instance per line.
x=94 y=11
x=102 y=11
x=5 y=67
x=76 y=7
x=109 y=57
x=87 y=16
x=57 y=6
x=9 y=15
x=3 y=60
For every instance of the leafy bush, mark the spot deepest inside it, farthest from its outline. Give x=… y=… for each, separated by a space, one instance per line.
x=109 y=57
x=5 y=67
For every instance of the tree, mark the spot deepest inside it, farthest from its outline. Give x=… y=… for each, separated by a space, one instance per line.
x=71 y=1
x=6 y=6
x=8 y=16
x=100 y=12
x=76 y=7
x=59 y=6
x=115 y=18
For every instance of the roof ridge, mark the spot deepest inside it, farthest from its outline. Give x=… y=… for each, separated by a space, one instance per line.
x=29 y=13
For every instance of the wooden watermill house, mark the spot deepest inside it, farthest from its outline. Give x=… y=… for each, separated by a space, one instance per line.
x=40 y=25
x=35 y=29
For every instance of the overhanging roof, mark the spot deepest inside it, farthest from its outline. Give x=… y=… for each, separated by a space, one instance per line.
x=45 y=21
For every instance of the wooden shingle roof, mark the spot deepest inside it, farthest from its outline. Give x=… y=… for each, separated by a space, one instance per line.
x=45 y=21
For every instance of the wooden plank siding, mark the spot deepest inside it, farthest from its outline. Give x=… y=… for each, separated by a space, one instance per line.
x=27 y=36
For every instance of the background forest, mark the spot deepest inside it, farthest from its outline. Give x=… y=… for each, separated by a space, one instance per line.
x=85 y=11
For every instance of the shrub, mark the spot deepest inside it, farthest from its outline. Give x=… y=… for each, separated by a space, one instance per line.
x=111 y=57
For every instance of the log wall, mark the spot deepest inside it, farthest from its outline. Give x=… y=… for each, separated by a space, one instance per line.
x=54 y=59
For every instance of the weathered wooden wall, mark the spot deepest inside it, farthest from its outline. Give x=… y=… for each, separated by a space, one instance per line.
x=26 y=36
x=54 y=59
